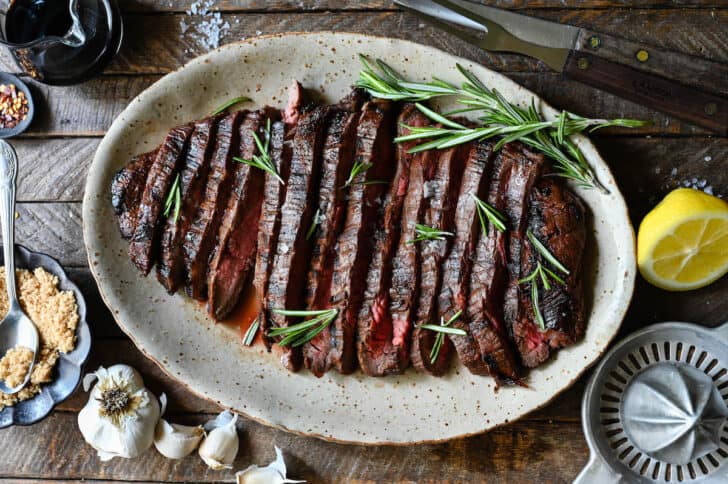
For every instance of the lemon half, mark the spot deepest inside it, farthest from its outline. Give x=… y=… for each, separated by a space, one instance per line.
x=682 y=243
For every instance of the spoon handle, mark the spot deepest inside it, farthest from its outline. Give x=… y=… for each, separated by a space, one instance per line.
x=8 y=173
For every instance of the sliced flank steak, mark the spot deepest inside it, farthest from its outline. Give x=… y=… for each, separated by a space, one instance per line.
x=233 y=258
x=144 y=245
x=200 y=238
x=457 y=268
x=380 y=345
x=127 y=188
x=374 y=150
x=287 y=281
x=170 y=267
x=557 y=219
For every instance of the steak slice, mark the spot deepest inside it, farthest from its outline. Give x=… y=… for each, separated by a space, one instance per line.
x=170 y=267
x=144 y=245
x=127 y=188
x=200 y=238
x=374 y=148
x=286 y=285
x=269 y=223
x=557 y=219
x=379 y=346
x=457 y=268
x=234 y=255
x=442 y=196
x=338 y=157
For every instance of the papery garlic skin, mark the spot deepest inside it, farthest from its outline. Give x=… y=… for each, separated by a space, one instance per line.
x=221 y=444
x=273 y=473
x=176 y=441
x=121 y=414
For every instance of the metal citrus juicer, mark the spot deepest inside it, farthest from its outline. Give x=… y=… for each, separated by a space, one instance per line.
x=655 y=409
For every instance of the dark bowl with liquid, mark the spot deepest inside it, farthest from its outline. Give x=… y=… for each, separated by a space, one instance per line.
x=6 y=78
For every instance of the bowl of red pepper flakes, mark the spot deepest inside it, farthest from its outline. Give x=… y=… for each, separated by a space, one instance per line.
x=16 y=106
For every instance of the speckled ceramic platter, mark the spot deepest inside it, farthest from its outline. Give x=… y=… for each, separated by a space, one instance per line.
x=209 y=359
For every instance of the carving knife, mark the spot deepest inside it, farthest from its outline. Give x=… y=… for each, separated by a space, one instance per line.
x=687 y=87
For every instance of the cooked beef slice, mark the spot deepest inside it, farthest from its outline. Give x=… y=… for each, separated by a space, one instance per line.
x=286 y=285
x=234 y=255
x=557 y=219
x=442 y=195
x=380 y=348
x=144 y=245
x=457 y=267
x=170 y=267
x=127 y=188
x=336 y=345
x=200 y=237
x=269 y=222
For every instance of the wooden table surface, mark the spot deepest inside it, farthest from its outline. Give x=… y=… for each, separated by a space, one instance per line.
x=546 y=446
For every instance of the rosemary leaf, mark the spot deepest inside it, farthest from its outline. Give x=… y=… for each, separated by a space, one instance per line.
x=358 y=168
x=545 y=252
x=174 y=199
x=536 y=309
x=425 y=232
x=299 y=334
x=262 y=160
x=314 y=224
x=443 y=329
x=229 y=104
x=252 y=331
x=484 y=211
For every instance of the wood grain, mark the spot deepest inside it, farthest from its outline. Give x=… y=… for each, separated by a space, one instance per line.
x=52 y=228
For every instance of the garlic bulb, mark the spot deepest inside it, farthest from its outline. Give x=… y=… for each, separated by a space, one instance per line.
x=220 y=446
x=273 y=473
x=120 y=416
x=176 y=441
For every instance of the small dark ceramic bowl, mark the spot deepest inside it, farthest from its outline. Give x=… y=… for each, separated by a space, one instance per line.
x=68 y=370
x=6 y=78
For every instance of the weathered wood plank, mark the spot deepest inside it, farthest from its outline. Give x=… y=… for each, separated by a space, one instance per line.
x=52 y=228
x=55 y=448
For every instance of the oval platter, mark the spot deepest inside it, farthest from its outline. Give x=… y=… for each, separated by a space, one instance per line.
x=209 y=359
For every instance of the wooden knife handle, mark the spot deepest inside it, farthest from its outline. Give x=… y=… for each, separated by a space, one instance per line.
x=679 y=100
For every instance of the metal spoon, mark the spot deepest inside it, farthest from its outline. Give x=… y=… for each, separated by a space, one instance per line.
x=16 y=329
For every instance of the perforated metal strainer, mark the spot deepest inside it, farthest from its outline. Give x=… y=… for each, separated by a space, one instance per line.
x=655 y=409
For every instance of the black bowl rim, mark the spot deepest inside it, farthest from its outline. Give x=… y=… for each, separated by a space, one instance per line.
x=6 y=77
x=28 y=259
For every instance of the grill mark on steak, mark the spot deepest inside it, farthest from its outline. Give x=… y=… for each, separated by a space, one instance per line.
x=338 y=159
x=200 y=237
x=442 y=196
x=286 y=285
x=170 y=266
x=144 y=245
x=269 y=224
x=457 y=268
x=487 y=285
x=127 y=188
x=377 y=348
x=557 y=218
x=234 y=255
x=354 y=246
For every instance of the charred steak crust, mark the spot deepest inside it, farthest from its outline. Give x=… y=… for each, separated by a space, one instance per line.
x=170 y=267
x=374 y=148
x=286 y=285
x=127 y=188
x=144 y=245
x=269 y=223
x=456 y=270
x=200 y=237
x=379 y=346
x=557 y=218
x=234 y=255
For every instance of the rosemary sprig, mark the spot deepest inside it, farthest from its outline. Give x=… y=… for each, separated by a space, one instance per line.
x=314 y=224
x=499 y=118
x=301 y=333
x=174 y=199
x=425 y=232
x=442 y=329
x=262 y=160
x=543 y=274
x=229 y=104
x=252 y=331
x=485 y=210
x=356 y=169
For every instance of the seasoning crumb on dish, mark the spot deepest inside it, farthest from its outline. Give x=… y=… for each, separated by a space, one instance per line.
x=55 y=314
x=13 y=106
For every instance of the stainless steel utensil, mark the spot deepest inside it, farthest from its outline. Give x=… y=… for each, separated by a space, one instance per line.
x=16 y=329
x=655 y=408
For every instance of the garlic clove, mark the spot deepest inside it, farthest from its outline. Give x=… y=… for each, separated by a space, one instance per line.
x=176 y=441
x=220 y=447
x=273 y=473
